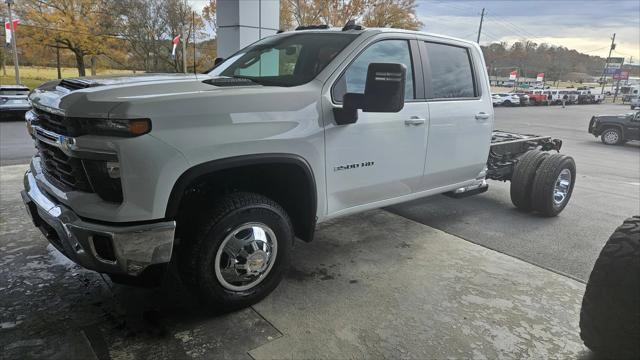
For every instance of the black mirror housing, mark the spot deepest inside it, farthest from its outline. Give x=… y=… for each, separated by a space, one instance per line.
x=383 y=92
x=218 y=61
x=384 y=89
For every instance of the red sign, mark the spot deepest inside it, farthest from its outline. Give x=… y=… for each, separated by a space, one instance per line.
x=513 y=75
x=621 y=75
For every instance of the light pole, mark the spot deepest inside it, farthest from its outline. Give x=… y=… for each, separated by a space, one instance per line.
x=14 y=40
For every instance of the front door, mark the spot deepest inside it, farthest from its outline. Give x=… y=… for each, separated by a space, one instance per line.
x=381 y=156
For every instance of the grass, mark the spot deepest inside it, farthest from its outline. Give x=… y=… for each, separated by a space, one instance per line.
x=33 y=76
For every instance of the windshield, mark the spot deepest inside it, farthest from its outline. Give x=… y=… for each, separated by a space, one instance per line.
x=286 y=60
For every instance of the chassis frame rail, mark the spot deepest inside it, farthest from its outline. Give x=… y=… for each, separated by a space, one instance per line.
x=507 y=147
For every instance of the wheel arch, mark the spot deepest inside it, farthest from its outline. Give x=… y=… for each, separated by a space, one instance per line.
x=301 y=204
x=604 y=128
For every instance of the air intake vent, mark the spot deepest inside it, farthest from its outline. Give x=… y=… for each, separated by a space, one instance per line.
x=75 y=84
x=229 y=81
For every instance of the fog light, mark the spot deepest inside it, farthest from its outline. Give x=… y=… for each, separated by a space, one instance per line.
x=113 y=169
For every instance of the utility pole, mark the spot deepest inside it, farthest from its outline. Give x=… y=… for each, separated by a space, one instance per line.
x=604 y=72
x=4 y=52
x=14 y=41
x=184 y=49
x=193 y=31
x=480 y=28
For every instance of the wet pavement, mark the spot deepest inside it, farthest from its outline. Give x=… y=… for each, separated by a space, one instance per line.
x=373 y=285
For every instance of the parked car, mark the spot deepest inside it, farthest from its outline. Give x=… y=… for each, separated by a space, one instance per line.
x=14 y=102
x=496 y=100
x=509 y=99
x=523 y=97
x=537 y=97
x=616 y=129
x=634 y=101
x=220 y=172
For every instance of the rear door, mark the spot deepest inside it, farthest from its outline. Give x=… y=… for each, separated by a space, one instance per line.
x=460 y=113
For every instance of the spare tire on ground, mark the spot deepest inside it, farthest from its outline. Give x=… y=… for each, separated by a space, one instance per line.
x=610 y=314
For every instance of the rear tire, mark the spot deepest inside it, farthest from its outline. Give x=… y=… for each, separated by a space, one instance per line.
x=611 y=136
x=610 y=314
x=522 y=179
x=240 y=251
x=553 y=184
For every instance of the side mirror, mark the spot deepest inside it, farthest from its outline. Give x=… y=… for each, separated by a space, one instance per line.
x=217 y=61
x=383 y=92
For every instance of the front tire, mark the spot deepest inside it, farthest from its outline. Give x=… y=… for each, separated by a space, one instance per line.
x=553 y=184
x=611 y=136
x=240 y=251
x=610 y=315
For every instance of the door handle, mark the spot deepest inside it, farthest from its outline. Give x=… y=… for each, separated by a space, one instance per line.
x=482 y=116
x=415 y=121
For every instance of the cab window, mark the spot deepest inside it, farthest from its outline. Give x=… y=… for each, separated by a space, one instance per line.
x=451 y=72
x=385 y=51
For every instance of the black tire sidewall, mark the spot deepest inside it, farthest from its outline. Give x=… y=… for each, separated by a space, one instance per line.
x=544 y=183
x=208 y=285
x=523 y=177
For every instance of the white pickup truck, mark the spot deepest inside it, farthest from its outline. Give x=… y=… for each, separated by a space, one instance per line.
x=220 y=172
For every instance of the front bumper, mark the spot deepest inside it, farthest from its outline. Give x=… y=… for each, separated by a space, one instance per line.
x=104 y=248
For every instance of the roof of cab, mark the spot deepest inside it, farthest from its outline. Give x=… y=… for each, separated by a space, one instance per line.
x=381 y=30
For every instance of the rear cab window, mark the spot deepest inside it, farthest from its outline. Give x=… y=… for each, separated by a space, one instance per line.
x=451 y=72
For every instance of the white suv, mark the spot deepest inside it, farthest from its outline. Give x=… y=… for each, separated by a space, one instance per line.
x=221 y=171
x=509 y=99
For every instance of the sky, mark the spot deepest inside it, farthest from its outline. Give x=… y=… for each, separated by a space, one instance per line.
x=586 y=25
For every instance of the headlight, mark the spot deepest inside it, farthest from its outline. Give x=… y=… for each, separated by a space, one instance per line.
x=115 y=127
x=3 y=100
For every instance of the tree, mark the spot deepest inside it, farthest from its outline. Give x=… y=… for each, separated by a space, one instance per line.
x=399 y=14
x=81 y=26
x=372 y=13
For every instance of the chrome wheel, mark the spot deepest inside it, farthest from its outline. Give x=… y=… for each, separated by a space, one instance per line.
x=611 y=137
x=246 y=256
x=561 y=187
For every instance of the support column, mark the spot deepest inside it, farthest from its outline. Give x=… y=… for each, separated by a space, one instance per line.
x=242 y=22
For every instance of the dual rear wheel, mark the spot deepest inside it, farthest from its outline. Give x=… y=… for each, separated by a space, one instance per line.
x=543 y=182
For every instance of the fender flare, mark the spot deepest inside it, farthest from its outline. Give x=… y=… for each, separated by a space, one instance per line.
x=194 y=173
x=603 y=127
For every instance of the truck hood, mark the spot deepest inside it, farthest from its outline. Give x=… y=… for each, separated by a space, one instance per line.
x=96 y=96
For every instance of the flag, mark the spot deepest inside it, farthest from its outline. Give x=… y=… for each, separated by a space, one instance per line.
x=7 y=30
x=175 y=41
x=513 y=75
x=540 y=77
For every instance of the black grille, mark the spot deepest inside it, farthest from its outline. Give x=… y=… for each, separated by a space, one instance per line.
x=52 y=122
x=65 y=172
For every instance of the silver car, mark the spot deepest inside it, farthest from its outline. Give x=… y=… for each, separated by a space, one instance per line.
x=14 y=101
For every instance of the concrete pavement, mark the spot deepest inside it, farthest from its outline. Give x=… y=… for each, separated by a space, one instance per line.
x=373 y=285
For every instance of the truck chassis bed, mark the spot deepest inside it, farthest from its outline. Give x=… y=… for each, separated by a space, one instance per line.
x=507 y=147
